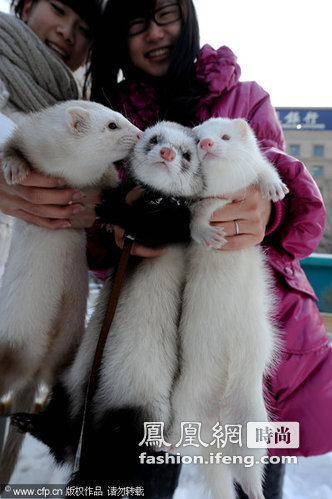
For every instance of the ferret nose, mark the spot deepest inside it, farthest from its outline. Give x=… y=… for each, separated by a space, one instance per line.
x=206 y=143
x=167 y=153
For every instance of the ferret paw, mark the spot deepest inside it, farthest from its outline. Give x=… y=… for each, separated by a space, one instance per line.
x=275 y=191
x=15 y=170
x=210 y=236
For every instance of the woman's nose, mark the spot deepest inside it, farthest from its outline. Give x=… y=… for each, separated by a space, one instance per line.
x=67 y=31
x=154 y=31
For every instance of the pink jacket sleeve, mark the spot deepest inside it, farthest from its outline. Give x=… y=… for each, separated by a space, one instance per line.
x=299 y=219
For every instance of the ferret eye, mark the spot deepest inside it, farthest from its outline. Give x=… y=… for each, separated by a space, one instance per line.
x=154 y=140
x=225 y=137
x=112 y=126
x=186 y=156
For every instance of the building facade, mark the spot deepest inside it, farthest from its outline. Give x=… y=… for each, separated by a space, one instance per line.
x=308 y=134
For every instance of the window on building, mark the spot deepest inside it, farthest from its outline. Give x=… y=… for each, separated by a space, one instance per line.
x=294 y=150
x=317 y=171
x=318 y=150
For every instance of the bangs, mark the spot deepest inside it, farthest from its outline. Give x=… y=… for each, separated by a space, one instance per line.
x=139 y=8
x=89 y=10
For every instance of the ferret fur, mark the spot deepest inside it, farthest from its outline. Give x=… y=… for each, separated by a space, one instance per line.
x=228 y=340
x=141 y=354
x=45 y=284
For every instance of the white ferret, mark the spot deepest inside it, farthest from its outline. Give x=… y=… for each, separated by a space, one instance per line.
x=228 y=340
x=140 y=356
x=45 y=284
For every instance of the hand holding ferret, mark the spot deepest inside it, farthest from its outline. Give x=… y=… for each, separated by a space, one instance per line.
x=44 y=201
x=251 y=210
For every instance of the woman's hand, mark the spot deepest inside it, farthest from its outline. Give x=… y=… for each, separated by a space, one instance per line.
x=249 y=208
x=249 y=213
x=45 y=201
x=137 y=249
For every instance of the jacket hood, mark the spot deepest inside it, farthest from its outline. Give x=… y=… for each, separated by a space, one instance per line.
x=218 y=69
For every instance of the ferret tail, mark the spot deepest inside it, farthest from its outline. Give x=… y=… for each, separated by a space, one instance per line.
x=23 y=401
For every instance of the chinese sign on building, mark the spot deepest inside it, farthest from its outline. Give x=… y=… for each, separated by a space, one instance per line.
x=305 y=119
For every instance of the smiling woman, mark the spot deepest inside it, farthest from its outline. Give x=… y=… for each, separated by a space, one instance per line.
x=66 y=27
x=54 y=38
x=51 y=38
x=152 y=37
x=60 y=28
x=154 y=40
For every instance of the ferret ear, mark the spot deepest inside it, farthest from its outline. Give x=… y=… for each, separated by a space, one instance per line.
x=77 y=119
x=242 y=126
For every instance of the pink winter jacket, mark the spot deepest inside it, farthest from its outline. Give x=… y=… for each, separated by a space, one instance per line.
x=300 y=389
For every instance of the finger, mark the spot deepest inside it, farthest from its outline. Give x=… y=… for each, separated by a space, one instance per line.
x=40 y=210
x=230 y=228
x=92 y=196
x=54 y=211
x=137 y=249
x=229 y=212
x=41 y=221
x=83 y=220
x=243 y=194
x=245 y=228
x=36 y=195
x=246 y=214
x=145 y=252
x=242 y=241
x=134 y=194
x=243 y=204
x=118 y=233
x=38 y=180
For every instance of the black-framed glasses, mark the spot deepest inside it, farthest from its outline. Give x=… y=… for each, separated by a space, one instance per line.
x=162 y=16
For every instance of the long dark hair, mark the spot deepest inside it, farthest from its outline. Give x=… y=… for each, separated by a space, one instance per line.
x=178 y=92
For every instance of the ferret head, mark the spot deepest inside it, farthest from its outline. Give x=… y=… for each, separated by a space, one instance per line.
x=77 y=140
x=165 y=159
x=227 y=150
x=103 y=136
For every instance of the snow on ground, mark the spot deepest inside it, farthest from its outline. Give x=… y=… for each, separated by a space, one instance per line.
x=311 y=478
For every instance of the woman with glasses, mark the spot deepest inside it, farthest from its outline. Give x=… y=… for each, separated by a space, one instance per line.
x=155 y=69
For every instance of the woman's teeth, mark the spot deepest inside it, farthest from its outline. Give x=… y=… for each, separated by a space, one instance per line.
x=57 y=50
x=158 y=52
